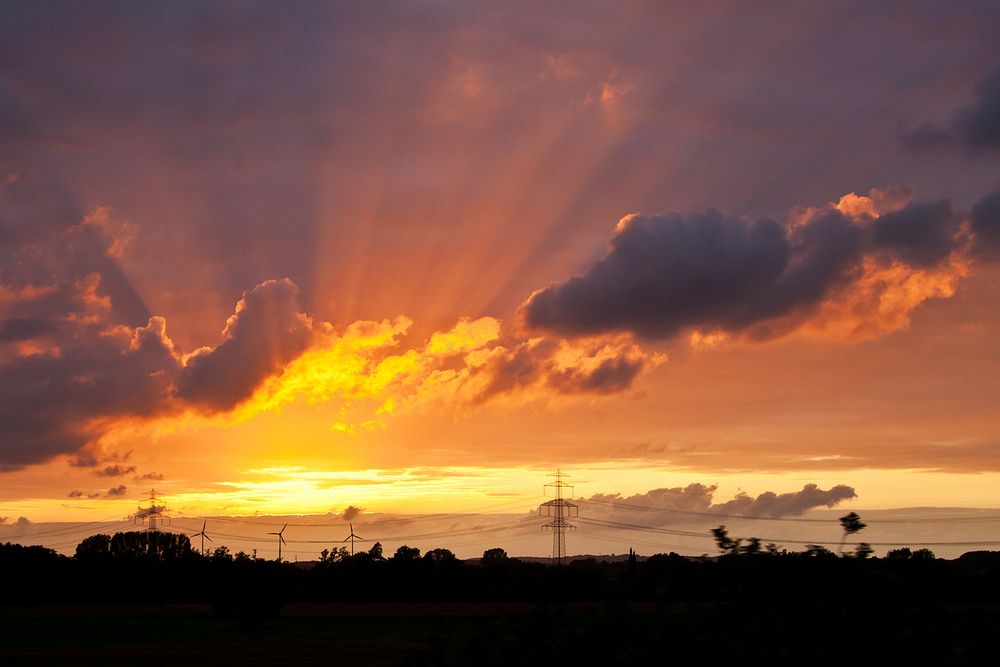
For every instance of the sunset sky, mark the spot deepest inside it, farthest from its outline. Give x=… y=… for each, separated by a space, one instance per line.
x=287 y=258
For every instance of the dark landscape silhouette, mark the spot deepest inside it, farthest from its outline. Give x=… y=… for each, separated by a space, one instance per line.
x=752 y=604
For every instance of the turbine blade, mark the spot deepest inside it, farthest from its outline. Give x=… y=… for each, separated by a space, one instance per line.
x=208 y=538
x=282 y=539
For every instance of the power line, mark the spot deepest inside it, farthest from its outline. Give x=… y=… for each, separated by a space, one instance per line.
x=779 y=540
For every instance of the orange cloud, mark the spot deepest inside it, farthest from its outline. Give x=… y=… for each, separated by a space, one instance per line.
x=465 y=365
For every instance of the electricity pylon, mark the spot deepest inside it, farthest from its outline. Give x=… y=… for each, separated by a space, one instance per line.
x=153 y=516
x=559 y=509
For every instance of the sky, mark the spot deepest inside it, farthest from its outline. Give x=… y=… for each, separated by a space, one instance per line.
x=294 y=258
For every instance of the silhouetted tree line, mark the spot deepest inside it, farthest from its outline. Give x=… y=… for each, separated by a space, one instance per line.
x=151 y=566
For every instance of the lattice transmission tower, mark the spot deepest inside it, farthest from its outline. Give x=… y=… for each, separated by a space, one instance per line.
x=559 y=509
x=152 y=516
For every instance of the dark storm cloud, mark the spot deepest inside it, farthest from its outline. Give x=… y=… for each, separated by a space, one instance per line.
x=975 y=127
x=919 y=234
x=78 y=349
x=665 y=274
x=117 y=491
x=48 y=401
x=266 y=332
x=149 y=476
x=985 y=223
x=683 y=504
x=55 y=402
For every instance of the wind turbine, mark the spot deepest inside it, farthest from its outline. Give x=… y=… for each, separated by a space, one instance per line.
x=281 y=539
x=352 y=537
x=203 y=536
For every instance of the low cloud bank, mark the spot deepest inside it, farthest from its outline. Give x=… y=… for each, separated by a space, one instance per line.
x=695 y=502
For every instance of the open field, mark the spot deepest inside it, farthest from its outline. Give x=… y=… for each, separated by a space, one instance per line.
x=495 y=633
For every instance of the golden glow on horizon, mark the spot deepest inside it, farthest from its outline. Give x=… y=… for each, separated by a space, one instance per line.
x=298 y=490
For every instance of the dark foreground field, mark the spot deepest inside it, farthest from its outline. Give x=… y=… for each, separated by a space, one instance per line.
x=141 y=599
x=501 y=634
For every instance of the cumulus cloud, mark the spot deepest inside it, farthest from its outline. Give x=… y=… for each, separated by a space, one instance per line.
x=114 y=471
x=975 y=127
x=772 y=504
x=22 y=522
x=266 y=332
x=663 y=274
x=694 y=502
x=351 y=512
x=149 y=476
x=716 y=275
x=117 y=491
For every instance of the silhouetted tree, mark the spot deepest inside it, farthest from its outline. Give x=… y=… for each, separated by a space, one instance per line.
x=727 y=545
x=376 y=551
x=851 y=523
x=903 y=553
x=406 y=553
x=923 y=554
x=751 y=548
x=221 y=554
x=335 y=555
x=494 y=555
x=440 y=556
x=95 y=546
x=863 y=550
